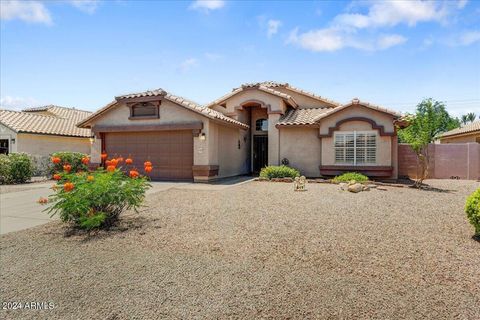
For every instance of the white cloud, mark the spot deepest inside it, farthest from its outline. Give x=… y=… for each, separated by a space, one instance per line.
x=17 y=103
x=29 y=11
x=273 y=26
x=391 y=40
x=87 y=6
x=461 y=4
x=207 y=5
x=469 y=38
x=188 y=64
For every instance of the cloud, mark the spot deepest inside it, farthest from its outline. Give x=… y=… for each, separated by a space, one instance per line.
x=333 y=39
x=273 y=26
x=461 y=4
x=188 y=64
x=17 y=103
x=469 y=37
x=28 y=11
x=87 y=6
x=207 y=5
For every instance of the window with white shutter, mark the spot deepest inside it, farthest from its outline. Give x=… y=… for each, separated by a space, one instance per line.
x=355 y=148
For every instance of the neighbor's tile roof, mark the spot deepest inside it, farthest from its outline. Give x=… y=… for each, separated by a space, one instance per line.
x=469 y=128
x=195 y=107
x=301 y=116
x=62 y=112
x=29 y=122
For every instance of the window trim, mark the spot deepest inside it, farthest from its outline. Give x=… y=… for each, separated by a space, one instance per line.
x=354 y=163
x=155 y=104
x=256 y=122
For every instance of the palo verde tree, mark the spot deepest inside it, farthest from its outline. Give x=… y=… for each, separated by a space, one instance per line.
x=429 y=121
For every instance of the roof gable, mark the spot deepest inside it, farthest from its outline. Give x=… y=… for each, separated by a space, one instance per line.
x=356 y=102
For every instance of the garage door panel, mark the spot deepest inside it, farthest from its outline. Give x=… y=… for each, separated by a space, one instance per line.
x=171 y=152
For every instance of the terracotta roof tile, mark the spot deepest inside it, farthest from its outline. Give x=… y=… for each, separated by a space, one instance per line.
x=61 y=112
x=301 y=116
x=30 y=122
x=472 y=127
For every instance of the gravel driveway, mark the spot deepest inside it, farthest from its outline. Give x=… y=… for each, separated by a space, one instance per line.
x=258 y=250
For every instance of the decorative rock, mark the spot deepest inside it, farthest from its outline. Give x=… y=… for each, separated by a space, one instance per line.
x=355 y=188
x=261 y=179
x=343 y=186
x=366 y=188
x=352 y=182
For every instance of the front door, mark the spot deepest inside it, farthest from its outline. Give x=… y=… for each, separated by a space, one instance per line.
x=3 y=146
x=260 y=152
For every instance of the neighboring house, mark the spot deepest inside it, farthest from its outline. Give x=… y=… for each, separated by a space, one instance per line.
x=467 y=133
x=255 y=125
x=44 y=130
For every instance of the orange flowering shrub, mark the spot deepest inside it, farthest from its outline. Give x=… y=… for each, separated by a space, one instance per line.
x=96 y=199
x=69 y=162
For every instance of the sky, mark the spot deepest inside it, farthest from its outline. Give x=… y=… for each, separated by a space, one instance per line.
x=391 y=53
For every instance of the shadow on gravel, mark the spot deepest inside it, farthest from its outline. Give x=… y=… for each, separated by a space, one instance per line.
x=476 y=238
x=426 y=187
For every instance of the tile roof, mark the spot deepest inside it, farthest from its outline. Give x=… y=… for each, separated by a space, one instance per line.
x=195 y=107
x=30 y=122
x=469 y=128
x=61 y=112
x=356 y=101
x=301 y=116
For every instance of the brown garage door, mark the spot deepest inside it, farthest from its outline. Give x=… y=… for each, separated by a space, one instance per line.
x=171 y=152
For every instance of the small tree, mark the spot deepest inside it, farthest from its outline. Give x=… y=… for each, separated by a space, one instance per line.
x=430 y=120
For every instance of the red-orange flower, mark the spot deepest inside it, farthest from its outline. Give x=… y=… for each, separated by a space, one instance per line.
x=108 y=162
x=114 y=162
x=90 y=178
x=148 y=169
x=56 y=160
x=120 y=159
x=42 y=200
x=67 y=167
x=129 y=161
x=56 y=176
x=147 y=164
x=104 y=155
x=134 y=174
x=111 y=168
x=68 y=186
x=85 y=160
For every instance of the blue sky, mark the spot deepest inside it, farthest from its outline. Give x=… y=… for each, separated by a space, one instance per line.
x=83 y=53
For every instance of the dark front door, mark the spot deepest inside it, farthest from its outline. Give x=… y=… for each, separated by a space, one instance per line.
x=260 y=152
x=3 y=146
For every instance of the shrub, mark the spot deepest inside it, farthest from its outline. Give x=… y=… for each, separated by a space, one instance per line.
x=279 y=172
x=96 y=199
x=349 y=176
x=16 y=168
x=472 y=208
x=74 y=159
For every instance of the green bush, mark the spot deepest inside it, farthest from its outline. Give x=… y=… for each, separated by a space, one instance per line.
x=349 y=176
x=72 y=158
x=472 y=208
x=279 y=172
x=15 y=168
x=96 y=199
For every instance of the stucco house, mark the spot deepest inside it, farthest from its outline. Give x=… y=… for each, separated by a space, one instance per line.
x=465 y=134
x=43 y=130
x=255 y=125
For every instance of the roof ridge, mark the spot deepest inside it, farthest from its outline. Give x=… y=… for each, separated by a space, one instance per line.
x=48 y=106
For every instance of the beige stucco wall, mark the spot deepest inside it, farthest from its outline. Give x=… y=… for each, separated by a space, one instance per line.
x=302 y=147
x=44 y=145
x=384 y=147
x=474 y=137
x=276 y=103
x=7 y=133
x=232 y=160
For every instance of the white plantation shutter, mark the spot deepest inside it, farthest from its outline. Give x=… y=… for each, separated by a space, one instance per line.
x=357 y=148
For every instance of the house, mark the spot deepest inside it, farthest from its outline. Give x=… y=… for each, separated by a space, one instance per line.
x=467 y=133
x=44 y=130
x=255 y=125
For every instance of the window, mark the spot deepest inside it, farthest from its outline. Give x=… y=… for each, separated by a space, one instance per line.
x=261 y=125
x=355 y=148
x=144 y=109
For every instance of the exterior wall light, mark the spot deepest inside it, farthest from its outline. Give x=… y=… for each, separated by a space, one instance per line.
x=13 y=140
x=92 y=139
x=202 y=136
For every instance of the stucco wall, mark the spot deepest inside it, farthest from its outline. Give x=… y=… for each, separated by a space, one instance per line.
x=44 y=145
x=384 y=146
x=302 y=147
x=276 y=103
x=475 y=137
x=232 y=160
x=7 y=133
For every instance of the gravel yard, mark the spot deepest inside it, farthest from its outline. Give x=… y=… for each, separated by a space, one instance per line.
x=258 y=250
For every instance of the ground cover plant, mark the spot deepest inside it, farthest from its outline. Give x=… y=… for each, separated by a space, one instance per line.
x=282 y=171
x=95 y=199
x=349 y=176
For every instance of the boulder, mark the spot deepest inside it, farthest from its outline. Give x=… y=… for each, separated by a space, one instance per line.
x=366 y=188
x=355 y=188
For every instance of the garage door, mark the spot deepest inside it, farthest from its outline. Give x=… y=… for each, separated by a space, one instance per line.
x=171 y=152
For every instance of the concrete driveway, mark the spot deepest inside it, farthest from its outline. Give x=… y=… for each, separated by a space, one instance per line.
x=19 y=208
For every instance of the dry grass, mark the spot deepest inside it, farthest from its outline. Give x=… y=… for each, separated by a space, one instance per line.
x=259 y=250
